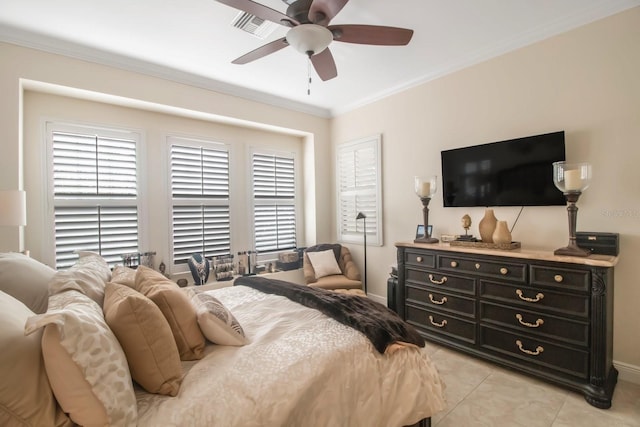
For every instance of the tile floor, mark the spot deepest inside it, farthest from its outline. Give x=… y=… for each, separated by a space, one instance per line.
x=480 y=393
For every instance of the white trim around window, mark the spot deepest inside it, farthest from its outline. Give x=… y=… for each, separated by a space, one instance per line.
x=359 y=190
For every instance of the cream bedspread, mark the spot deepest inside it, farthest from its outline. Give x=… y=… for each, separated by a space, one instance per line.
x=301 y=368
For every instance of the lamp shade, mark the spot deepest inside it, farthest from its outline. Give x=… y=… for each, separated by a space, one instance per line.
x=13 y=208
x=309 y=39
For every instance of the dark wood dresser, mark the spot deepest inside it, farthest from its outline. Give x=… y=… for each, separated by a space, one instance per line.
x=544 y=315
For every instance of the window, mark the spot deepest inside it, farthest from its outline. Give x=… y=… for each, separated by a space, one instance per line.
x=274 y=201
x=200 y=199
x=94 y=190
x=358 y=188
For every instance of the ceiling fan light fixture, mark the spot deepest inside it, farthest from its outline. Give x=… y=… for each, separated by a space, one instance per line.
x=309 y=39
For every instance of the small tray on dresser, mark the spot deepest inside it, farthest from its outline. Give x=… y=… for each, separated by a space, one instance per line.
x=486 y=245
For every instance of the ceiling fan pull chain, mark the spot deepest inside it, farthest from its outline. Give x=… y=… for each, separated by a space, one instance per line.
x=309 y=75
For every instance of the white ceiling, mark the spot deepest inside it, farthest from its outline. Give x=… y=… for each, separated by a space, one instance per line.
x=192 y=41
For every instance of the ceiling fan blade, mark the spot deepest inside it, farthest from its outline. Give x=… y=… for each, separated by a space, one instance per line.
x=324 y=65
x=371 y=34
x=263 y=50
x=322 y=12
x=261 y=11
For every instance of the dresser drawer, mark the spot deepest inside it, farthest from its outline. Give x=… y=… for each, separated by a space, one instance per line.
x=536 y=323
x=562 y=278
x=507 y=270
x=535 y=299
x=540 y=352
x=431 y=321
x=420 y=259
x=445 y=282
x=435 y=299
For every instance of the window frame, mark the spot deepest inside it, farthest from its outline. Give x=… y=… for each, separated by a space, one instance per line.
x=51 y=202
x=296 y=200
x=196 y=142
x=373 y=215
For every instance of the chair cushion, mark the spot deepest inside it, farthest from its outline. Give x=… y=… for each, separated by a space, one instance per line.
x=335 y=247
x=324 y=263
x=337 y=281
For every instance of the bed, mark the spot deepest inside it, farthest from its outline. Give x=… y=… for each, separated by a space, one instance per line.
x=298 y=367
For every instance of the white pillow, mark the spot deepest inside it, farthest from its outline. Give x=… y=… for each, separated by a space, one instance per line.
x=324 y=263
x=26 y=280
x=88 y=276
x=217 y=323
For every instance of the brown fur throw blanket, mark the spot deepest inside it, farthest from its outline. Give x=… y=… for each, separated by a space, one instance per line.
x=383 y=327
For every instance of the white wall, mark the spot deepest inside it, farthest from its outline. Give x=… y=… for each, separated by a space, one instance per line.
x=234 y=118
x=585 y=82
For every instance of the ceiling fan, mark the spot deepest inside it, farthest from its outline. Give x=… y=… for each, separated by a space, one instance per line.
x=311 y=33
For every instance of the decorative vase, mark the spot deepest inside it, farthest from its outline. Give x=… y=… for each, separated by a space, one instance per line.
x=502 y=235
x=487 y=226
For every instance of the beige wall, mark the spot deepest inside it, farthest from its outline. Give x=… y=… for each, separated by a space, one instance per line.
x=232 y=118
x=585 y=82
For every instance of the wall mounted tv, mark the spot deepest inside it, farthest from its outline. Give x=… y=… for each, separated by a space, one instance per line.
x=516 y=172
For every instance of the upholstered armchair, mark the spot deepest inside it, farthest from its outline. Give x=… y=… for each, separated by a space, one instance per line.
x=344 y=275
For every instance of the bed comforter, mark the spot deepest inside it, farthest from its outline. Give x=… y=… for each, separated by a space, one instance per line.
x=301 y=368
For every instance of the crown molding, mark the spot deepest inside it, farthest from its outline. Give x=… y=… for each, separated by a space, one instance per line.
x=20 y=37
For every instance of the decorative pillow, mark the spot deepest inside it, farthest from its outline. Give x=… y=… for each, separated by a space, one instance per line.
x=145 y=337
x=25 y=394
x=85 y=364
x=88 y=276
x=26 y=280
x=176 y=308
x=324 y=263
x=124 y=276
x=216 y=322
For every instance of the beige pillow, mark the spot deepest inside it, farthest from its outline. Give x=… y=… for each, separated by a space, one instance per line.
x=324 y=263
x=216 y=322
x=85 y=364
x=88 y=276
x=176 y=308
x=124 y=276
x=145 y=337
x=26 y=280
x=25 y=394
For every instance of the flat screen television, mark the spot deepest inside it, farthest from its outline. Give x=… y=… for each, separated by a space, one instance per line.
x=516 y=172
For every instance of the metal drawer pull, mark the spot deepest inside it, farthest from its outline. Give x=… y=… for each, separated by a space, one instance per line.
x=437 y=282
x=504 y=270
x=442 y=301
x=539 y=349
x=419 y=259
x=538 y=323
x=558 y=278
x=477 y=266
x=438 y=325
x=454 y=264
x=538 y=297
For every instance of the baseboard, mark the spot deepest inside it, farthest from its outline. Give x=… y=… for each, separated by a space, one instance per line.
x=378 y=298
x=627 y=372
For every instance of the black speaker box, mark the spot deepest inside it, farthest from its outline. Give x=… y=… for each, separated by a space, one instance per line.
x=599 y=243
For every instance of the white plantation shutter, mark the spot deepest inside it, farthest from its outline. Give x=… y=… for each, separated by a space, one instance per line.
x=358 y=180
x=94 y=192
x=200 y=199
x=274 y=194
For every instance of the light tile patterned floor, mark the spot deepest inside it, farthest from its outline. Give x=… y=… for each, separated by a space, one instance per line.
x=482 y=394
